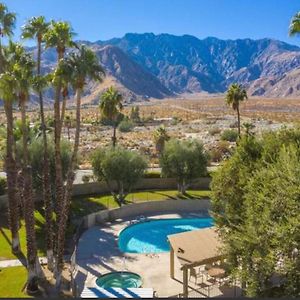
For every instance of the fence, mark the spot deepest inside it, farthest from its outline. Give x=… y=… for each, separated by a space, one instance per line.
x=144 y=184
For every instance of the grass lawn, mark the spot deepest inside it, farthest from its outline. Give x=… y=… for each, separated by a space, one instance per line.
x=82 y=206
x=12 y=281
x=5 y=238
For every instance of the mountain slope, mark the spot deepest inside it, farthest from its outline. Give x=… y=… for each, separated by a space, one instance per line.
x=187 y=64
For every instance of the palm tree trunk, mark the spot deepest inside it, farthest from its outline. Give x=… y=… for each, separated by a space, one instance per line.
x=13 y=210
x=114 y=138
x=59 y=189
x=67 y=195
x=63 y=110
x=239 y=121
x=46 y=189
x=32 y=259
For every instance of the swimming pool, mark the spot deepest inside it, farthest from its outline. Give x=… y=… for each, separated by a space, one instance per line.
x=151 y=236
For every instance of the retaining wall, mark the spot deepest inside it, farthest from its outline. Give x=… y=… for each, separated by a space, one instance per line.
x=131 y=210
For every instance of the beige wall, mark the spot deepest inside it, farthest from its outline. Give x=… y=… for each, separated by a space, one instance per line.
x=132 y=210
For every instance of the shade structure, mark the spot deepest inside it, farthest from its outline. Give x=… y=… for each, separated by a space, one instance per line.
x=194 y=248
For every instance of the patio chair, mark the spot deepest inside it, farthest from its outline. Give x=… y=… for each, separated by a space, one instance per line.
x=195 y=275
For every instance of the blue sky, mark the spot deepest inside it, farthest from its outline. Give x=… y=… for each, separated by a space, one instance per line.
x=227 y=19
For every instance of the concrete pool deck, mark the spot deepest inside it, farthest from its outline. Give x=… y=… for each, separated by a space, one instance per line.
x=98 y=253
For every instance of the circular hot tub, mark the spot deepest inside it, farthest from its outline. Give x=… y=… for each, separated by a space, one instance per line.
x=119 y=280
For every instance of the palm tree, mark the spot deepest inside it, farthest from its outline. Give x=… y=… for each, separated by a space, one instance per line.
x=78 y=66
x=22 y=70
x=58 y=36
x=110 y=107
x=295 y=25
x=36 y=28
x=160 y=137
x=7 y=23
x=236 y=94
x=7 y=84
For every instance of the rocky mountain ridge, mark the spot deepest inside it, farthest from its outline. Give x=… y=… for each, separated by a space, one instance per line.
x=157 y=66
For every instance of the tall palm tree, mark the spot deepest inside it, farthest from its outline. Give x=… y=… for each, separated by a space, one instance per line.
x=59 y=36
x=36 y=28
x=22 y=70
x=110 y=107
x=236 y=94
x=295 y=25
x=7 y=84
x=78 y=66
x=7 y=24
x=160 y=137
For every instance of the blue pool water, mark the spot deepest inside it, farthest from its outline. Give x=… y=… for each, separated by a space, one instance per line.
x=151 y=236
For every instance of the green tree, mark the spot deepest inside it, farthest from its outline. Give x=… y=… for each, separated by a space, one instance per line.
x=36 y=148
x=7 y=82
x=185 y=161
x=255 y=206
x=36 y=28
x=124 y=167
x=110 y=107
x=234 y=96
x=79 y=67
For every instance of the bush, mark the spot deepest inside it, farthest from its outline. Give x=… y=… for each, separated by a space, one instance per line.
x=175 y=120
x=3 y=185
x=229 y=135
x=213 y=131
x=126 y=125
x=220 y=151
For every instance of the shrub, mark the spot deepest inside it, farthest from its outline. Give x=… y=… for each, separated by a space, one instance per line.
x=126 y=125
x=175 y=120
x=222 y=149
x=229 y=135
x=3 y=185
x=215 y=130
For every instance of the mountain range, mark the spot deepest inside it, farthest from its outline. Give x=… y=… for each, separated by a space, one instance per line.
x=158 y=66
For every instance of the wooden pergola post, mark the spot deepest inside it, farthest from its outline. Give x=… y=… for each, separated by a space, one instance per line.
x=172 y=262
x=185 y=282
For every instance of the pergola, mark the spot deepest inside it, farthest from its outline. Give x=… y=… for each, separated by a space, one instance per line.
x=192 y=249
